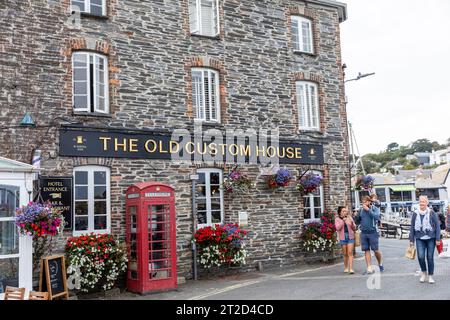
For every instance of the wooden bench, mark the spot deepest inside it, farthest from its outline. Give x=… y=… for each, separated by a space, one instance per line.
x=35 y=295
x=391 y=230
x=404 y=230
x=12 y=293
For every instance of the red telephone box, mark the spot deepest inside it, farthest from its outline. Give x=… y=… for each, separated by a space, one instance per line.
x=151 y=237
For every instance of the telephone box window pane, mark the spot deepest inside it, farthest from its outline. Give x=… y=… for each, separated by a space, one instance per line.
x=157 y=208
x=81 y=223
x=100 y=192
x=81 y=177
x=9 y=238
x=100 y=208
x=81 y=208
x=100 y=222
x=99 y=177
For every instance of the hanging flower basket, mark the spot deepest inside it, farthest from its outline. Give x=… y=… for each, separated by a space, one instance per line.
x=39 y=220
x=237 y=182
x=279 y=180
x=309 y=183
x=365 y=183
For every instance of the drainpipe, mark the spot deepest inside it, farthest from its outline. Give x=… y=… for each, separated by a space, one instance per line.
x=194 y=178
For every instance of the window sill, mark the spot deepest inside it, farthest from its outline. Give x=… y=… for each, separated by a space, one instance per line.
x=91 y=114
x=96 y=232
x=301 y=53
x=94 y=16
x=205 y=36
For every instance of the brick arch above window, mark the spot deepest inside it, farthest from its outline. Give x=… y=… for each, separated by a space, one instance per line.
x=207 y=63
x=319 y=81
x=96 y=46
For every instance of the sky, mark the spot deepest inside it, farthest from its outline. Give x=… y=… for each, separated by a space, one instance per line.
x=407 y=44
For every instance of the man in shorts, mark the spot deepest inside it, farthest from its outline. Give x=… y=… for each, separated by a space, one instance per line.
x=368 y=218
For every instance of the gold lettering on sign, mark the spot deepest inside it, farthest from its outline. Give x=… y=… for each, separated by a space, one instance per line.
x=298 y=153
x=153 y=149
x=271 y=152
x=161 y=149
x=172 y=145
x=133 y=145
x=192 y=151
x=213 y=149
x=105 y=142
x=236 y=149
x=260 y=152
x=246 y=151
x=290 y=152
x=118 y=145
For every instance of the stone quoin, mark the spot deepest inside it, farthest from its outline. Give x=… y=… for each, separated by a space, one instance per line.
x=148 y=68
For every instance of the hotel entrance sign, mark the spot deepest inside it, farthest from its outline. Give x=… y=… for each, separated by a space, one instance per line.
x=157 y=146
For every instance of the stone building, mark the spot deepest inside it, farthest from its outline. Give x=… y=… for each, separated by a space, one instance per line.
x=125 y=68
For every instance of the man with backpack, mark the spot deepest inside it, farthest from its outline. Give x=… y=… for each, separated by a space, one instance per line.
x=368 y=218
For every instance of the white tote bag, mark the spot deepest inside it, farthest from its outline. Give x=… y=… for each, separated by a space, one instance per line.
x=446 y=249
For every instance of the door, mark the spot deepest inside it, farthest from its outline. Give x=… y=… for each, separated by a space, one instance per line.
x=159 y=241
x=9 y=238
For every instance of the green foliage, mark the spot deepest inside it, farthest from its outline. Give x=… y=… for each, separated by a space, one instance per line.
x=396 y=155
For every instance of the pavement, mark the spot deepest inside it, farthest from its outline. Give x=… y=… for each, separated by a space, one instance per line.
x=400 y=281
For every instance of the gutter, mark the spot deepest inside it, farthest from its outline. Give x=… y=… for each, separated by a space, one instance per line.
x=340 y=6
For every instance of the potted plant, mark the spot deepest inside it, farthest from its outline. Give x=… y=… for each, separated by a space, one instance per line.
x=280 y=179
x=319 y=238
x=95 y=261
x=221 y=246
x=365 y=183
x=308 y=183
x=39 y=220
x=237 y=182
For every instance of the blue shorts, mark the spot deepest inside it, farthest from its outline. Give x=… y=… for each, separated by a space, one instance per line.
x=369 y=241
x=347 y=241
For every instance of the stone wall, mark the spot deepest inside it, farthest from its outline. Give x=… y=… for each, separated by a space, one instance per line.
x=150 y=53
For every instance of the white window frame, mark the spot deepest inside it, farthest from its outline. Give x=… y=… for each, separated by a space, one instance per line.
x=207 y=172
x=95 y=58
x=300 y=35
x=87 y=7
x=308 y=112
x=91 y=200
x=311 y=202
x=198 y=30
x=200 y=110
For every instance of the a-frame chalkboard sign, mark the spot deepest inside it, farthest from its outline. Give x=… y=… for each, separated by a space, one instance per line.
x=53 y=277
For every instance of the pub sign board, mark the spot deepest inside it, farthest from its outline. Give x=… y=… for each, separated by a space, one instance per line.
x=59 y=191
x=185 y=147
x=53 y=277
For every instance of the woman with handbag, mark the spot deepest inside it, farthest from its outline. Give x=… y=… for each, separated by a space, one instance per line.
x=346 y=227
x=426 y=232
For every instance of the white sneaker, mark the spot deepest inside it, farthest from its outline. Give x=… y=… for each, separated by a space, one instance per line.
x=431 y=280
x=423 y=277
